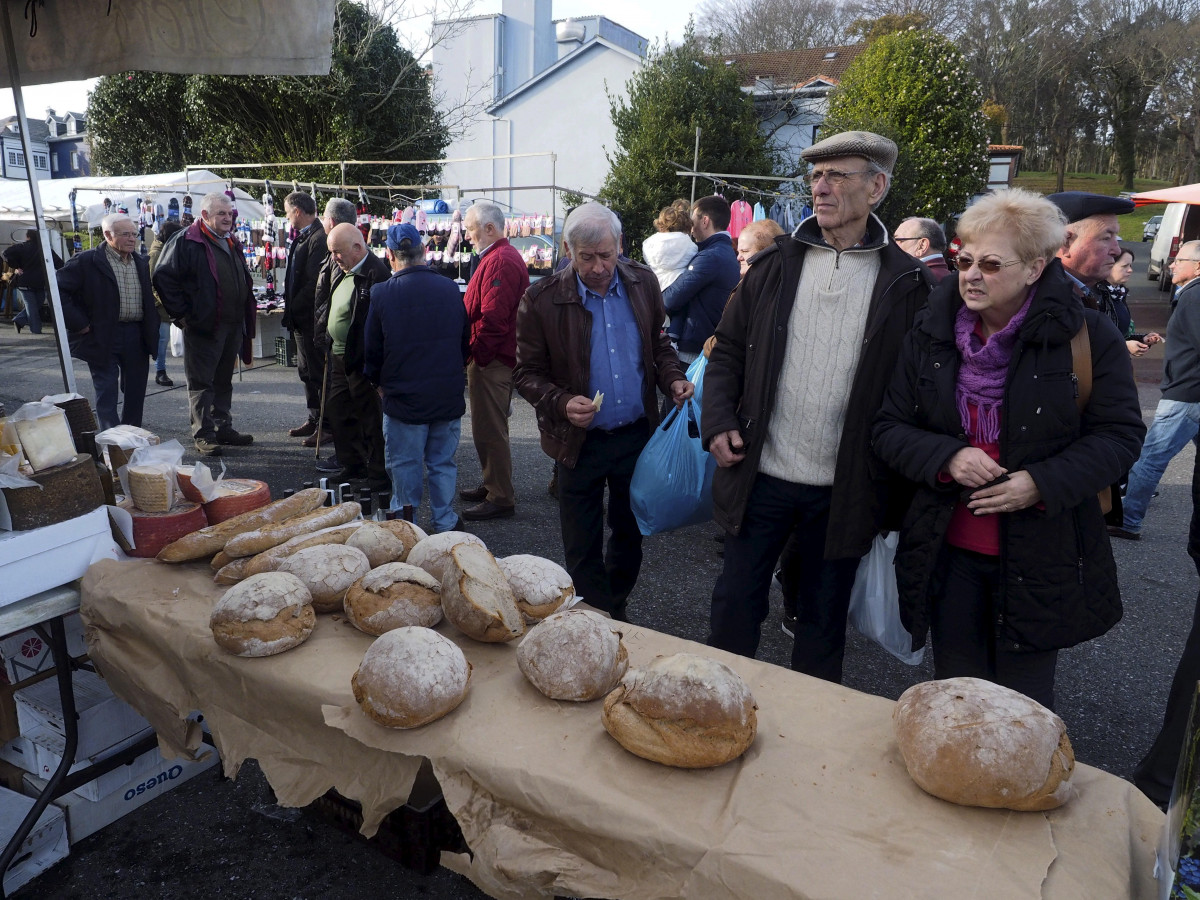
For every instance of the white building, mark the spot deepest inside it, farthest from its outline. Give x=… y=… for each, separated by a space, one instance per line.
x=12 y=154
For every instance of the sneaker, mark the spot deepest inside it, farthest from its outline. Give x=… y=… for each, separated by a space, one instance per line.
x=328 y=465
x=208 y=447
x=231 y=438
x=163 y=379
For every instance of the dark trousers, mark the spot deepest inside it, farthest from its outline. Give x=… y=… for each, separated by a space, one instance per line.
x=125 y=368
x=354 y=411
x=777 y=510
x=963 y=628
x=310 y=364
x=208 y=364
x=602 y=579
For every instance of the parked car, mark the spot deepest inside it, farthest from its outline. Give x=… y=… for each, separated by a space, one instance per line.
x=1180 y=224
x=1150 y=229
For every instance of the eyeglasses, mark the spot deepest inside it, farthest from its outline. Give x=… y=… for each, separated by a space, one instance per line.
x=832 y=176
x=1184 y=259
x=986 y=266
x=902 y=240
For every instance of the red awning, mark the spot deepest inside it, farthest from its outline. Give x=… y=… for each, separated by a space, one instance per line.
x=1187 y=193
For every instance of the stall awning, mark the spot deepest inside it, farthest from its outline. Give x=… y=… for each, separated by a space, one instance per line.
x=1187 y=193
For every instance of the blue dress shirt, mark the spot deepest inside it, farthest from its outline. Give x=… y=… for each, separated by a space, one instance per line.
x=616 y=370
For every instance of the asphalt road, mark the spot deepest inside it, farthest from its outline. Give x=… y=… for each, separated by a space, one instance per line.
x=216 y=838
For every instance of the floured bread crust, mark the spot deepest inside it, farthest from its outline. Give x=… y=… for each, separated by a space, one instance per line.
x=411 y=676
x=683 y=710
x=263 y=615
x=392 y=596
x=540 y=585
x=327 y=571
x=975 y=743
x=407 y=532
x=433 y=552
x=379 y=544
x=476 y=597
x=573 y=655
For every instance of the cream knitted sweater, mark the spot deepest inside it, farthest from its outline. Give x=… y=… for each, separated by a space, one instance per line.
x=824 y=341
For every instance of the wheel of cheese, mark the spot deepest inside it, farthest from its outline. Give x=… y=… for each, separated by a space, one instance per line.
x=235 y=496
x=573 y=655
x=410 y=677
x=154 y=530
x=183 y=476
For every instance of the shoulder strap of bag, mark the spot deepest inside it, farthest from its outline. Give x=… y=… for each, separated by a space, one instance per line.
x=1081 y=365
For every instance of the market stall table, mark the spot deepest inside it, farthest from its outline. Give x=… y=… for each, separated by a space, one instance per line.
x=819 y=807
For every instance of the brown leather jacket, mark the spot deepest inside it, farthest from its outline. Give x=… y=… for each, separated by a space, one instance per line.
x=554 y=344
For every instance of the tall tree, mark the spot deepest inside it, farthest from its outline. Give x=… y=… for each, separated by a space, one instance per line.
x=915 y=88
x=756 y=26
x=137 y=123
x=676 y=91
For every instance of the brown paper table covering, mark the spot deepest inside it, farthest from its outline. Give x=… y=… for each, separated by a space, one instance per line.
x=819 y=807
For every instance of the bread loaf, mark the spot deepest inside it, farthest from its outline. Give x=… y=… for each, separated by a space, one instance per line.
x=379 y=543
x=975 y=743
x=540 y=586
x=220 y=560
x=263 y=615
x=476 y=597
x=392 y=596
x=432 y=553
x=327 y=571
x=409 y=533
x=682 y=710
x=573 y=655
x=233 y=571
x=269 y=560
x=410 y=677
x=251 y=542
x=207 y=541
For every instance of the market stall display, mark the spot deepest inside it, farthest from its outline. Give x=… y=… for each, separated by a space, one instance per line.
x=410 y=677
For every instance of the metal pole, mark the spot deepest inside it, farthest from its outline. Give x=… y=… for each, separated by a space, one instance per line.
x=60 y=328
x=695 y=164
x=554 y=207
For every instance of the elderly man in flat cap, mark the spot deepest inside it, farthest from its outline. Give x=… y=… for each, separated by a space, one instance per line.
x=804 y=352
x=1091 y=246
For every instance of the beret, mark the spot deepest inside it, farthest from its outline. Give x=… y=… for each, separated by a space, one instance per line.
x=1080 y=204
x=873 y=147
x=397 y=233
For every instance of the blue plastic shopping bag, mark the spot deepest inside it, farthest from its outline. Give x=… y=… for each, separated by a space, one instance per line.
x=672 y=482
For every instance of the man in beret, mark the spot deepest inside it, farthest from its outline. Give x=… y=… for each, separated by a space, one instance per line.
x=804 y=352
x=1091 y=246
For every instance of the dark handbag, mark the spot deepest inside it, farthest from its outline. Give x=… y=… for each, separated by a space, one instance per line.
x=1081 y=368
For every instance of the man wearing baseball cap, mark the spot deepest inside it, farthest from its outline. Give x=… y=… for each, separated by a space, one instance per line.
x=805 y=350
x=1091 y=246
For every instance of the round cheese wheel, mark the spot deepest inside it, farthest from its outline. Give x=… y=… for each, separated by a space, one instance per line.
x=263 y=615
x=410 y=677
x=392 y=596
x=683 y=710
x=432 y=553
x=154 y=530
x=975 y=743
x=575 y=654
x=235 y=496
x=540 y=586
x=327 y=571
x=183 y=477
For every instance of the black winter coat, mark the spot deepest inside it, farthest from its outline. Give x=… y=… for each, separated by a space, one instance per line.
x=374 y=271
x=88 y=290
x=742 y=378
x=1060 y=582
x=305 y=260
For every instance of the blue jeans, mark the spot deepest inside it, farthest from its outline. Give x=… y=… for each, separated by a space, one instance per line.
x=31 y=315
x=409 y=449
x=164 y=332
x=1175 y=423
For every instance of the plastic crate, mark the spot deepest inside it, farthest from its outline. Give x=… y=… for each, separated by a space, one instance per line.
x=285 y=351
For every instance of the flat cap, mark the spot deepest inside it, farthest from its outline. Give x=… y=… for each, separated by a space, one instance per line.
x=874 y=147
x=1080 y=204
x=397 y=233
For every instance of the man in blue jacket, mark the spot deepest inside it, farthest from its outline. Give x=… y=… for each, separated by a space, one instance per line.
x=416 y=345
x=697 y=298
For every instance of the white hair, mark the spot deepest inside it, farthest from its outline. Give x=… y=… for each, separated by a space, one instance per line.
x=107 y=223
x=212 y=199
x=487 y=213
x=589 y=224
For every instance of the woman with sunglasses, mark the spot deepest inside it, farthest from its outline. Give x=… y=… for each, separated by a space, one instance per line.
x=1004 y=556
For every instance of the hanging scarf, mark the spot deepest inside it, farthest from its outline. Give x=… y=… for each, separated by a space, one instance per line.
x=983 y=371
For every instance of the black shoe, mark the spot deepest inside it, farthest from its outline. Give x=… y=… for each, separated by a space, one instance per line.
x=1123 y=533
x=346 y=474
x=488 y=510
x=231 y=438
x=329 y=465
x=459 y=525
x=19 y=326
x=208 y=447
x=161 y=378
x=309 y=427
x=474 y=495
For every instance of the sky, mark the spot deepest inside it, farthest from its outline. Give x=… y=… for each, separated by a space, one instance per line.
x=649 y=18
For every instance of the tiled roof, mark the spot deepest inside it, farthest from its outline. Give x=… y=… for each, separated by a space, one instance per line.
x=794 y=67
x=1004 y=148
x=37 y=128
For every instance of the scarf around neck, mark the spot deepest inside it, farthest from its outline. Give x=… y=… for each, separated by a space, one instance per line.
x=983 y=371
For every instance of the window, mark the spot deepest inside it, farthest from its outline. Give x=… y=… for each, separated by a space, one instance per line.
x=40 y=161
x=74 y=159
x=16 y=158
x=54 y=163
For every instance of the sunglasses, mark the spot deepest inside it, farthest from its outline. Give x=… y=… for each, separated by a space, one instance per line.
x=986 y=266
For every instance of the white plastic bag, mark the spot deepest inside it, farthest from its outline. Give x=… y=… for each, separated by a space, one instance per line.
x=176 y=341
x=875 y=601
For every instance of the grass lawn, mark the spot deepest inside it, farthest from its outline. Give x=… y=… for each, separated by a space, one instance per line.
x=1131 y=224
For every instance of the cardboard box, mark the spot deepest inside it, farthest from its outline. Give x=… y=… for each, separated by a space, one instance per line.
x=44 y=558
x=19 y=752
x=45 y=845
x=103 y=720
x=86 y=817
x=9 y=728
x=25 y=654
x=48 y=749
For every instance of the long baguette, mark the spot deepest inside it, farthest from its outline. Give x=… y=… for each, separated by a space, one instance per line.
x=252 y=542
x=232 y=572
x=212 y=539
x=270 y=560
x=220 y=561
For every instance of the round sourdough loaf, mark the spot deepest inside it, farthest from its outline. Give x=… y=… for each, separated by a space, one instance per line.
x=411 y=676
x=327 y=571
x=476 y=597
x=540 y=586
x=682 y=710
x=432 y=553
x=975 y=743
x=379 y=544
x=392 y=596
x=573 y=655
x=409 y=533
x=263 y=615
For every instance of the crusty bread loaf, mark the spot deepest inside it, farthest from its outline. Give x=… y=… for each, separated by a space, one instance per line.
x=975 y=743
x=410 y=677
x=683 y=710
x=476 y=597
x=540 y=586
x=220 y=560
x=433 y=552
x=380 y=544
x=207 y=541
x=233 y=571
x=327 y=571
x=392 y=596
x=269 y=560
x=252 y=542
x=409 y=533
x=263 y=615
x=575 y=654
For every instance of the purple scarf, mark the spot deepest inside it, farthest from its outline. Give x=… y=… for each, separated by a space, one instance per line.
x=983 y=370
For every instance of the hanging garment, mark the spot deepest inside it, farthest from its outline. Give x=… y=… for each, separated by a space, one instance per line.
x=740 y=215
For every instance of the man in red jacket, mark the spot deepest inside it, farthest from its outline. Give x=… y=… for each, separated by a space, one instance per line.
x=493 y=294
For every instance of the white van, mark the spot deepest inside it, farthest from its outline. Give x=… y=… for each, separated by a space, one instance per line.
x=1180 y=224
